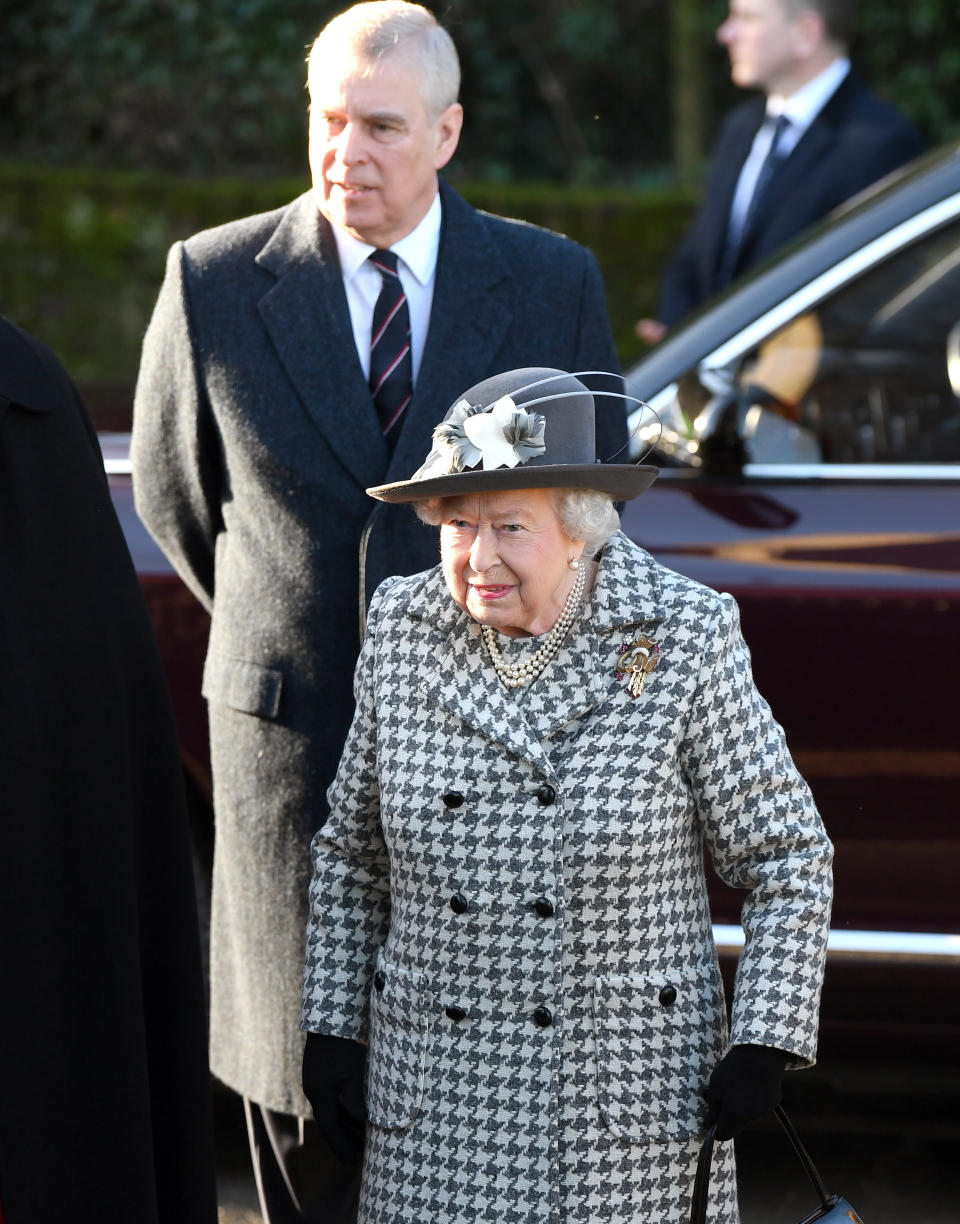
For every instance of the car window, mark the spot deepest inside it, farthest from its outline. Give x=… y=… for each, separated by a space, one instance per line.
x=870 y=375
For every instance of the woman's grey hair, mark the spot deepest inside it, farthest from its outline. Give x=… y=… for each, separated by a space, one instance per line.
x=384 y=27
x=584 y=514
x=588 y=515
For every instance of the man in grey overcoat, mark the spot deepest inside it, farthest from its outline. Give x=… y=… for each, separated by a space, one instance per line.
x=265 y=406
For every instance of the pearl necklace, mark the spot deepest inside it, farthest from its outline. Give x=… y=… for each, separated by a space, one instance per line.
x=514 y=675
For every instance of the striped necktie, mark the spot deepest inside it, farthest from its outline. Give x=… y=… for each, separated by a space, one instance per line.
x=391 y=367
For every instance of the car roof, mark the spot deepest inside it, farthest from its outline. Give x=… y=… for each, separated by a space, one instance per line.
x=888 y=203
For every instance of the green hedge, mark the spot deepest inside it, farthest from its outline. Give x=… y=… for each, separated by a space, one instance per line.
x=82 y=252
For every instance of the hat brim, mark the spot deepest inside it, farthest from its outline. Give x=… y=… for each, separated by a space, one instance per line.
x=622 y=481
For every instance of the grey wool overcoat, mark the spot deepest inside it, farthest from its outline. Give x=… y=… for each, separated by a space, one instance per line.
x=254 y=438
x=509 y=905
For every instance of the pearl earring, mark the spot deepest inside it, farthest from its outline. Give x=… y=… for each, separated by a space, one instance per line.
x=574 y=563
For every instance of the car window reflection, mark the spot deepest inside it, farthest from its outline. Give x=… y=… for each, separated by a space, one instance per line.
x=871 y=375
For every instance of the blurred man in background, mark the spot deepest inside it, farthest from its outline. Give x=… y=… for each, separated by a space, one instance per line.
x=785 y=159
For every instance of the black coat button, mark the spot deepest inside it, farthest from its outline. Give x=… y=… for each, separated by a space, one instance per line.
x=379 y=979
x=459 y=903
x=668 y=996
x=542 y=1017
x=456 y=1013
x=543 y=907
x=453 y=799
x=546 y=794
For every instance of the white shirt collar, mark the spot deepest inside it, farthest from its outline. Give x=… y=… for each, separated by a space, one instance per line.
x=418 y=249
x=802 y=107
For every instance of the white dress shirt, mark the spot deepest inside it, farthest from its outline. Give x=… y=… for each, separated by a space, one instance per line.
x=417 y=266
x=801 y=108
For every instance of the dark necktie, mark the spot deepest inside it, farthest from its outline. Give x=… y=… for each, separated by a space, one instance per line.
x=391 y=368
x=770 y=163
x=729 y=264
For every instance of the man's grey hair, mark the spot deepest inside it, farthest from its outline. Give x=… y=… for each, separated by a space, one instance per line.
x=378 y=28
x=584 y=514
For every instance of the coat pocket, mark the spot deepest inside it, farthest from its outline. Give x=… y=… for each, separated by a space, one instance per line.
x=658 y=1038
x=244 y=686
x=398 y=1048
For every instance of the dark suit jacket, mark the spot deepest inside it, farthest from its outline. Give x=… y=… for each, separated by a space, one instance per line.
x=254 y=438
x=104 y=1086
x=854 y=141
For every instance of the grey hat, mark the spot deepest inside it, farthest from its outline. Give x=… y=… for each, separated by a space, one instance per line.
x=490 y=440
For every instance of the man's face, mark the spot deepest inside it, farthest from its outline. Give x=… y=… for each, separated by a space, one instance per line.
x=766 y=40
x=374 y=151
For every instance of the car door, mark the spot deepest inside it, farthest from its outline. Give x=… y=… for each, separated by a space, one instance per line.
x=811 y=466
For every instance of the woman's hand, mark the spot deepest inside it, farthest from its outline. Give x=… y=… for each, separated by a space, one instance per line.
x=333 y=1076
x=745 y=1085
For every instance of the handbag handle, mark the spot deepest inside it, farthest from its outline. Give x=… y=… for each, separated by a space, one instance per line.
x=701 y=1185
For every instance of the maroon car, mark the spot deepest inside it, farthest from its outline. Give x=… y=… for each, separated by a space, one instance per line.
x=809 y=436
x=809 y=439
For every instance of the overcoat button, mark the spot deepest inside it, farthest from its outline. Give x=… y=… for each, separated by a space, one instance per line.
x=459 y=903
x=668 y=996
x=453 y=799
x=456 y=1013
x=543 y=907
x=542 y=1017
x=546 y=794
x=379 y=979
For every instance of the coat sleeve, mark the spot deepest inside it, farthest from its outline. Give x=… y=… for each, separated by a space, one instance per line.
x=680 y=289
x=764 y=835
x=596 y=351
x=349 y=903
x=175 y=447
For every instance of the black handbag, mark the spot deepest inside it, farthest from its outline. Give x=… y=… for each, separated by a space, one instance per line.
x=833 y=1209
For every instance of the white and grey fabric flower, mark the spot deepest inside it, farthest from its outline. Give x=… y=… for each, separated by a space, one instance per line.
x=501 y=435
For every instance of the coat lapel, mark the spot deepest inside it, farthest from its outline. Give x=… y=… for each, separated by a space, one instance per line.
x=624 y=603
x=814 y=146
x=724 y=184
x=571 y=687
x=461 y=680
x=471 y=314
x=626 y=599
x=307 y=317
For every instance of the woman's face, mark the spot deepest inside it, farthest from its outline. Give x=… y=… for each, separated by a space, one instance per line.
x=506 y=558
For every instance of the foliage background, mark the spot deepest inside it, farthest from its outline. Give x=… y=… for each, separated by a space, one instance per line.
x=125 y=124
x=575 y=90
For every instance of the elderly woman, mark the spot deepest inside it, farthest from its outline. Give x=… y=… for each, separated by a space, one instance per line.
x=509 y=913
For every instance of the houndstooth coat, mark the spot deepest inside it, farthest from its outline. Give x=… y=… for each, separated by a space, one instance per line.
x=509 y=904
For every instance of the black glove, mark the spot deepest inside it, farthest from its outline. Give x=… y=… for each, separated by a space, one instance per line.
x=744 y=1086
x=333 y=1075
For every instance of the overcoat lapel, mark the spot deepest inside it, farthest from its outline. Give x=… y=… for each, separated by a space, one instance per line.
x=788 y=177
x=472 y=312
x=815 y=145
x=571 y=686
x=458 y=678
x=624 y=603
x=724 y=183
x=307 y=317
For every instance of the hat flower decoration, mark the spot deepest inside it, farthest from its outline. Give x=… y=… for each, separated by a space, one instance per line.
x=499 y=436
